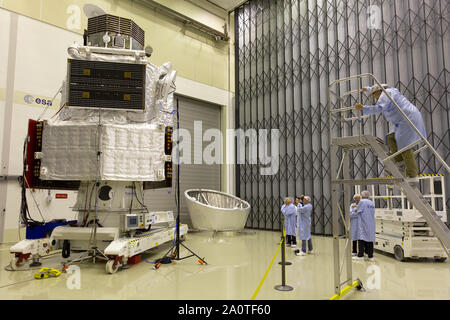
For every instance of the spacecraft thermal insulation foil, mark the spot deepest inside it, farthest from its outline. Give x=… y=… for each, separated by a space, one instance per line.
x=131 y=152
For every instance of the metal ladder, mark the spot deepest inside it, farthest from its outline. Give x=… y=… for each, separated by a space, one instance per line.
x=361 y=141
x=441 y=231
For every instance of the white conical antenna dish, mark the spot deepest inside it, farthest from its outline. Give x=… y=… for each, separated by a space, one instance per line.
x=92 y=10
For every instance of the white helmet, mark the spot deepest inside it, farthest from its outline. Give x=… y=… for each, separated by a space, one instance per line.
x=376 y=88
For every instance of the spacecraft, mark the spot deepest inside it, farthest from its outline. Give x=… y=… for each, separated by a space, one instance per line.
x=110 y=141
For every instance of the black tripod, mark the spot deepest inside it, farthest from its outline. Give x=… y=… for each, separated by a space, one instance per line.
x=177 y=243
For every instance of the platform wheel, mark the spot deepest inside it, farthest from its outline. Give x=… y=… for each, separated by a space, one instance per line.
x=66 y=249
x=399 y=253
x=360 y=286
x=15 y=263
x=440 y=259
x=112 y=266
x=157 y=266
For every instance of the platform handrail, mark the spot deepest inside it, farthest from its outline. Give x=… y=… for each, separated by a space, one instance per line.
x=332 y=111
x=399 y=152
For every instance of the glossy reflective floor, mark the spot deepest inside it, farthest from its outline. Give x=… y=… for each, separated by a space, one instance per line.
x=236 y=265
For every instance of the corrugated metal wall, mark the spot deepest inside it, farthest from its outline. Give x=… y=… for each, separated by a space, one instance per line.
x=287 y=53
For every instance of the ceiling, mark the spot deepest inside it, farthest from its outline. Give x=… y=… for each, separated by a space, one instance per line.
x=227 y=4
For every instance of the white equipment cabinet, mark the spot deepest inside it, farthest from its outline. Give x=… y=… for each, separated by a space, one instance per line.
x=401 y=229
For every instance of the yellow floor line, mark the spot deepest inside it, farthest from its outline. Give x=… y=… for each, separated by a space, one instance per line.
x=265 y=275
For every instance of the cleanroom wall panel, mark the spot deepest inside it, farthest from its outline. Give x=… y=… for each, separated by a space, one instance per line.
x=42 y=56
x=5 y=25
x=26 y=7
x=4 y=37
x=2 y=118
x=41 y=67
x=4 y=54
x=289 y=51
x=213 y=19
x=38 y=72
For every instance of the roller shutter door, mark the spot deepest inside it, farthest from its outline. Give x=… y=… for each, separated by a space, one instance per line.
x=191 y=175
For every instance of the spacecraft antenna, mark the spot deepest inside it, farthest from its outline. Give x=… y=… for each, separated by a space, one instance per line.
x=92 y=10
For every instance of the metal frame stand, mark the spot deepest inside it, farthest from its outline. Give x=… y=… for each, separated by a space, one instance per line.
x=337 y=212
x=95 y=252
x=36 y=262
x=178 y=242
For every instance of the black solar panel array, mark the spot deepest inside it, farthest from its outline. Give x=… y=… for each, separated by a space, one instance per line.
x=110 y=85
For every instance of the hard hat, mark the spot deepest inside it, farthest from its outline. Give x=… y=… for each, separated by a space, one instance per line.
x=375 y=88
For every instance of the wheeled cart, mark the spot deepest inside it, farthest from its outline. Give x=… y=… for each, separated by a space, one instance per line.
x=400 y=228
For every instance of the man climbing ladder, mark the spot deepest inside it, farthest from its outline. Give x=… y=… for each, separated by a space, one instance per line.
x=403 y=134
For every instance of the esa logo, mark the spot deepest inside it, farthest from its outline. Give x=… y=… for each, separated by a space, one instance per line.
x=29 y=99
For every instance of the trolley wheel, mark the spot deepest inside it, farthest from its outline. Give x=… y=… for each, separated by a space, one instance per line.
x=112 y=266
x=157 y=266
x=359 y=287
x=183 y=237
x=66 y=249
x=15 y=263
x=440 y=259
x=399 y=253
